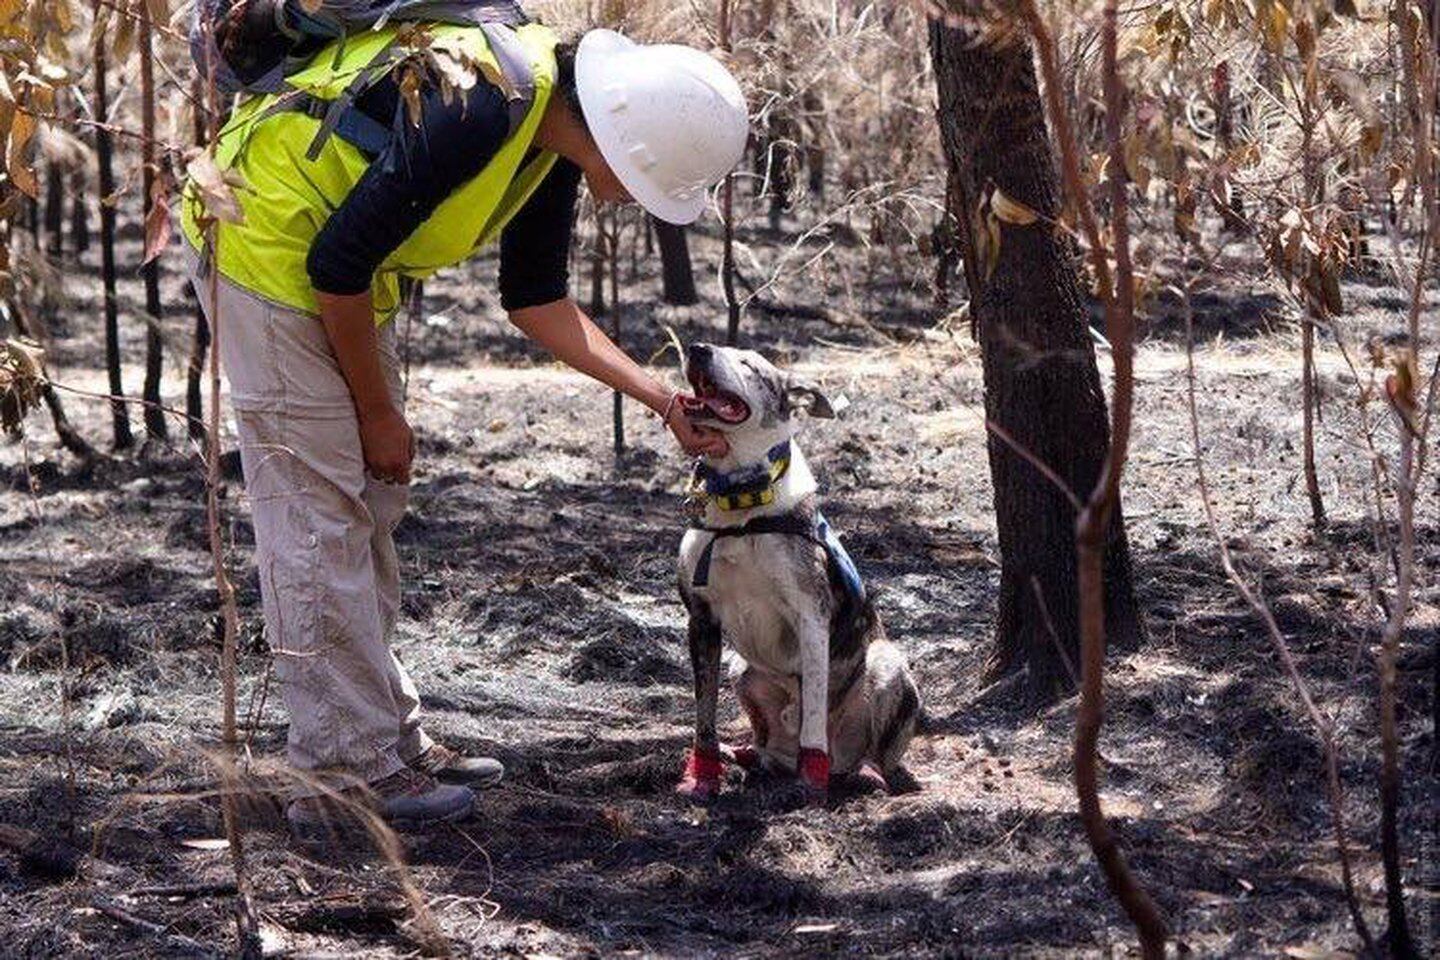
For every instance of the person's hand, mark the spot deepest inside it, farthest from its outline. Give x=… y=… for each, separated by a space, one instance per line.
x=387 y=445
x=694 y=440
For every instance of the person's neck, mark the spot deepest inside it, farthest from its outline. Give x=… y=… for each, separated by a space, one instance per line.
x=561 y=133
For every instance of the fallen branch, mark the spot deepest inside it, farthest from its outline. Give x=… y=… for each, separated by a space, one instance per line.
x=174 y=941
x=186 y=891
x=53 y=859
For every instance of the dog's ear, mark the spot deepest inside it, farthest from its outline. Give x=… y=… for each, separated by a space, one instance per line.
x=803 y=395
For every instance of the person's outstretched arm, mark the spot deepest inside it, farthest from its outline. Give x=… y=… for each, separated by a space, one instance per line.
x=562 y=328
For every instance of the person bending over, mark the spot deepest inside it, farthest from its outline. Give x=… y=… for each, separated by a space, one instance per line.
x=308 y=282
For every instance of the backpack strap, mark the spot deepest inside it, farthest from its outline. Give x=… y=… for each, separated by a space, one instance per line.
x=515 y=67
x=342 y=118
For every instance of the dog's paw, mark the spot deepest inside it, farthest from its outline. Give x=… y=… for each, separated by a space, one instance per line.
x=703 y=770
x=743 y=755
x=814 y=770
x=869 y=779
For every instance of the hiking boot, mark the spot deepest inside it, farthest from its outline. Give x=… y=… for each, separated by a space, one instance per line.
x=405 y=800
x=447 y=766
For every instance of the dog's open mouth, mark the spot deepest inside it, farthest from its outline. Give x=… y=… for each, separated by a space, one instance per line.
x=712 y=403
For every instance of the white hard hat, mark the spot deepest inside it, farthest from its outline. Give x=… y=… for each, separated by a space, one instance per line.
x=668 y=119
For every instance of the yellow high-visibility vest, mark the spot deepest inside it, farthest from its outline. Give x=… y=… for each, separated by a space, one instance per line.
x=286 y=197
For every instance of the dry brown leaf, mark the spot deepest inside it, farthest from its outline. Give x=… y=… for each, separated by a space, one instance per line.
x=22 y=130
x=22 y=380
x=1010 y=210
x=157 y=222
x=216 y=190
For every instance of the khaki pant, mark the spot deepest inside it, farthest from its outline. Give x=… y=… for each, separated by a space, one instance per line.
x=329 y=574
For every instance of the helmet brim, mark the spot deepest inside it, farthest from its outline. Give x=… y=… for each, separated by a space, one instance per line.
x=597 y=47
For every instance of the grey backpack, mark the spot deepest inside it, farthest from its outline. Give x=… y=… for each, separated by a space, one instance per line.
x=253 y=46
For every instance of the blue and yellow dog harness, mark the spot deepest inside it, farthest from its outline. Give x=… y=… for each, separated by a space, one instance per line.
x=842 y=568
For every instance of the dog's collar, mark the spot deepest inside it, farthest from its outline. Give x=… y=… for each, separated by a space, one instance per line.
x=748 y=487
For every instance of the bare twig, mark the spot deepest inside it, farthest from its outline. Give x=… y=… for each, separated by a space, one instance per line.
x=174 y=941
x=1320 y=722
x=1093 y=524
x=248 y=928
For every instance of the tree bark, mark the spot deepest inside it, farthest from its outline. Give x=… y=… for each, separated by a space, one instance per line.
x=1042 y=386
x=155 y=427
x=65 y=431
x=79 y=214
x=104 y=150
x=677 y=276
x=200 y=341
x=54 y=209
x=613 y=243
x=1232 y=213
x=727 y=215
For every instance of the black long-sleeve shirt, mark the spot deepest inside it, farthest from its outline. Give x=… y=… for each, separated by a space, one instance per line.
x=419 y=169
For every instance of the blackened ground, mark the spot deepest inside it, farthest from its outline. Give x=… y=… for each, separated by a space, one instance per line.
x=541 y=622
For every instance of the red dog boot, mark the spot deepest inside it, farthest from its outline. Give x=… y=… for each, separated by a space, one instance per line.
x=703 y=770
x=815 y=771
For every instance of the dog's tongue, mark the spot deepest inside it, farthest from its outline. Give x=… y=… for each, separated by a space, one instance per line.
x=720 y=405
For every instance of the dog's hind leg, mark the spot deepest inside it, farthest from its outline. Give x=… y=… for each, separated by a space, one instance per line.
x=766 y=702
x=896 y=714
x=703 y=767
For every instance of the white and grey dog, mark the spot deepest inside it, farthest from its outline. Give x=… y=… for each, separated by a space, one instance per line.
x=822 y=687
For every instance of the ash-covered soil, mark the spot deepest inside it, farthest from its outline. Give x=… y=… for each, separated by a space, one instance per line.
x=541 y=622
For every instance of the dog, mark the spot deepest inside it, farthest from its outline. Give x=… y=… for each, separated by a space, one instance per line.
x=823 y=689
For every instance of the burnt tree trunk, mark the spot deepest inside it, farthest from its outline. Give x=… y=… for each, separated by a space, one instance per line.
x=814 y=147
x=597 y=271
x=69 y=437
x=618 y=401
x=1042 y=386
x=154 y=345
x=1232 y=213
x=200 y=341
x=104 y=153
x=675 y=271
x=727 y=216
x=54 y=210
x=79 y=214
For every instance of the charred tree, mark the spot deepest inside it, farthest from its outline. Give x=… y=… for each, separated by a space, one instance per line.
x=613 y=249
x=597 y=270
x=65 y=431
x=104 y=154
x=814 y=147
x=727 y=215
x=1043 y=396
x=200 y=341
x=154 y=345
x=79 y=214
x=676 y=274
x=778 y=170
x=1232 y=211
x=54 y=209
